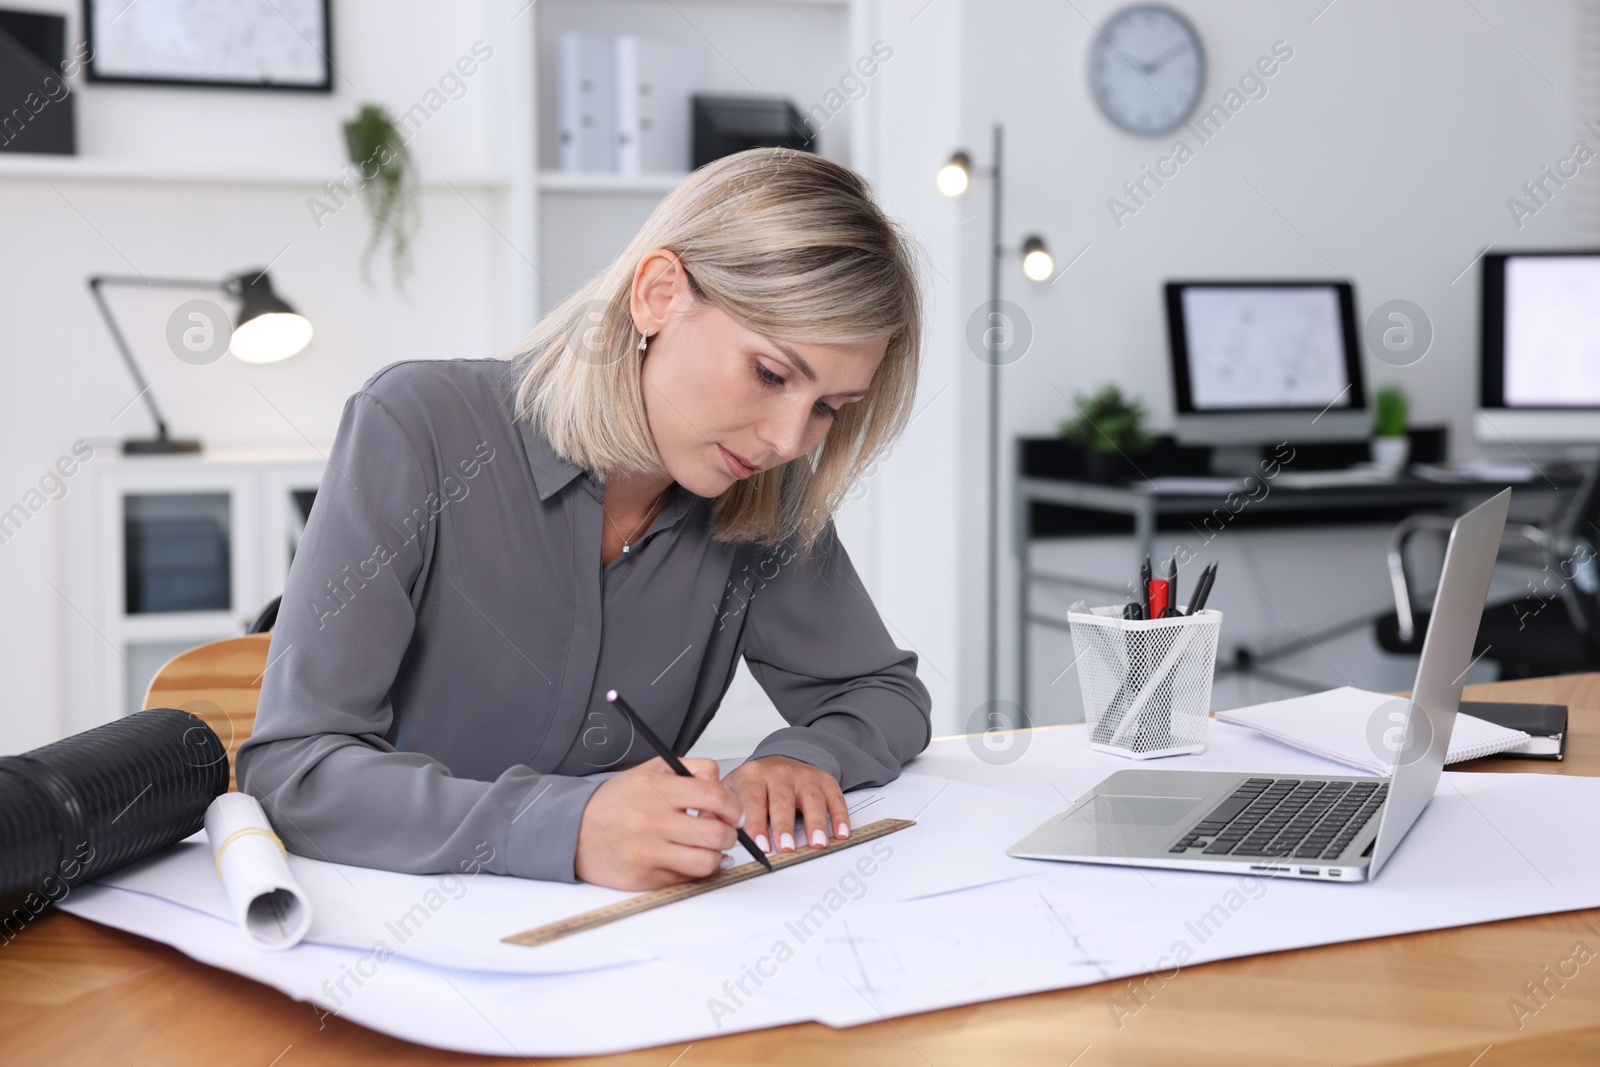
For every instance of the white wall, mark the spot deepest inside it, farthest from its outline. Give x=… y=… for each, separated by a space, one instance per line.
x=913 y=502
x=1384 y=151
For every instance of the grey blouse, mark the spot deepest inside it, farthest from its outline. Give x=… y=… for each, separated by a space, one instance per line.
x=435 y=684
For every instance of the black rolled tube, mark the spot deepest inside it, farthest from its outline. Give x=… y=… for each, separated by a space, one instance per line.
x=84 y=806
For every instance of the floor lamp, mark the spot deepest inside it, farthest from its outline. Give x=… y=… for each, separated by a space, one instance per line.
x=953 y=180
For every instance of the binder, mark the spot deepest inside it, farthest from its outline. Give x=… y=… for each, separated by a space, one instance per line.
x=1545 y=725
x=38 y=112
x=654 y=81
x=586 y=122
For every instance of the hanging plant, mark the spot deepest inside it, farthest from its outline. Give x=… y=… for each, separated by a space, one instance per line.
x=388 y=187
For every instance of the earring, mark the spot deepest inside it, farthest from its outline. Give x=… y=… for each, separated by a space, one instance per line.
x=642 y=337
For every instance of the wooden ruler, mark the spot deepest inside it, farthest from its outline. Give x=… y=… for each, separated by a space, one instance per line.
x=541 y=935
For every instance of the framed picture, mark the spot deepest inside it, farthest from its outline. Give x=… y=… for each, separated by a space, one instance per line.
x=237 y=44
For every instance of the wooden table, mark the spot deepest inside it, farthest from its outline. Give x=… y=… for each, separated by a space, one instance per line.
x=77 y=994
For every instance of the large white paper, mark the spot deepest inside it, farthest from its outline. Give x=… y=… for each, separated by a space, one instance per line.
x=252 y=864
x=870 y=960
x=452 y=920
x=584 y=1013
x=459 y=920
x=1490 y=846
x=949 y=849
x=1074 y=924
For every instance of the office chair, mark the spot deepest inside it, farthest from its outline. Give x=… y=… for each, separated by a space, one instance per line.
x=269 y=615
x=1554 y=630
x=220 y=682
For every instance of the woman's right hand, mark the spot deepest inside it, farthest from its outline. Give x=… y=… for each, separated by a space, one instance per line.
x=636 y=832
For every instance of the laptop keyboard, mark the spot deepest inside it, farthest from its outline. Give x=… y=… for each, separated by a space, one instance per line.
x=1287 y=817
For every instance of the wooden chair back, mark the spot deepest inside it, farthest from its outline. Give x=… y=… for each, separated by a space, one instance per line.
x=220 y=682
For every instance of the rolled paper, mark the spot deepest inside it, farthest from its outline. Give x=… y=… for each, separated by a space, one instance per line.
x=91 y=803
x=252 y=863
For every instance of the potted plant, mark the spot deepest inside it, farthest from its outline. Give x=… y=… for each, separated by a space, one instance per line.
x=388 y=186
x=1108 y=427
x=1391 y=448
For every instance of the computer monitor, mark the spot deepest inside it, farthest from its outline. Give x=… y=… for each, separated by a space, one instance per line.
x=1539 y=351
x=1258 y=362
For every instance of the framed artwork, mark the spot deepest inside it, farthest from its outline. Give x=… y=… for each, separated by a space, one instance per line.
x=237 y=44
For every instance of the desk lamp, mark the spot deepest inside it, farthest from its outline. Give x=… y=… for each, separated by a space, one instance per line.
x=268 y=330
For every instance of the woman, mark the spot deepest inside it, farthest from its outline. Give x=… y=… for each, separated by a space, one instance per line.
x=639 y=497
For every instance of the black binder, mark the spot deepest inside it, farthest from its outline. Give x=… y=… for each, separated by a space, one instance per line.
x=38 y=105
x=1546 y=723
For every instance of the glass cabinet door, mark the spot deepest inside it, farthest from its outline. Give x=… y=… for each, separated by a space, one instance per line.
x=176 y=552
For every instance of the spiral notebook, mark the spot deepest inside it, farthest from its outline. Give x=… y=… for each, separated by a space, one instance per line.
x=1362 y=728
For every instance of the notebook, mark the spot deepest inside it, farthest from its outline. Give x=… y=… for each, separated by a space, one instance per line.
x=1361 y=728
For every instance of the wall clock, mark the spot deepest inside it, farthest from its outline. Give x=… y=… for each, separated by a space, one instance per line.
x=1147 y=69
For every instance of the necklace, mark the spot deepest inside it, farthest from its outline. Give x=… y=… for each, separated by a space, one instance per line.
x=629 y=537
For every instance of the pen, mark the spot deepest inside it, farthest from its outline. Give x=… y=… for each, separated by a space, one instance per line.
x=1144 y=587
x=1132 y=610
x=1194 y=597
x=1158 y=598
x=1202 y=588
x=1172 y=582
x=677 y=765
x=1196 y=600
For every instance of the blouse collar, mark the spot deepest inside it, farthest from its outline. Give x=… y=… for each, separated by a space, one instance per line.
x=552 y=471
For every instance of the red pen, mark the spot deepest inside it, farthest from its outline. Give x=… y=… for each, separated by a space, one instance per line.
x=1158 y=597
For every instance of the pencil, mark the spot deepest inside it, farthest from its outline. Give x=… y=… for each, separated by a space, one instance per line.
x=1202 y=588
x=676 y=764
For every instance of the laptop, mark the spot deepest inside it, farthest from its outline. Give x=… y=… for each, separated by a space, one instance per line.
x=1329 y=827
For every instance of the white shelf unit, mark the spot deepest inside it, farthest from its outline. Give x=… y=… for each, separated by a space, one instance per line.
x=95 y=168
x=558 y=181
x=247 y=499
x=798 y=49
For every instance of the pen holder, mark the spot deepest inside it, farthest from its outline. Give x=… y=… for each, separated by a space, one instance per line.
x=1146 y=683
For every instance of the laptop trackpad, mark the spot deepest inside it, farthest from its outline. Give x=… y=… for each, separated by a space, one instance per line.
x=1139 y=811
x=1113 y=825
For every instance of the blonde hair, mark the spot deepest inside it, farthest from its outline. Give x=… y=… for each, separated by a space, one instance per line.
x=787 y=243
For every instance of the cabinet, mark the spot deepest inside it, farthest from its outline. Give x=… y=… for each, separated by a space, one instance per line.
x=174 y=551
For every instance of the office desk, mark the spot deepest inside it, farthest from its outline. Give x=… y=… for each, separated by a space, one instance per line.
x=1146 y=505
x=77 y=994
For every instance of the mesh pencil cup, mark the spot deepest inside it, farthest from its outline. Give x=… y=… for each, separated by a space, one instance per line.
x=1146 y=683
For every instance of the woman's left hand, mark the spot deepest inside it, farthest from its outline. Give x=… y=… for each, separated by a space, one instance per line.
x=776 y=788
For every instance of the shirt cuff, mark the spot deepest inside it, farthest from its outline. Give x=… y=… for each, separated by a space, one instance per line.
x=542 y=841
x=784 y=742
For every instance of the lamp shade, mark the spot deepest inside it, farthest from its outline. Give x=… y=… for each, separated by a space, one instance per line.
x=269 y=329
x=1037 y=262
x=954 y=176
